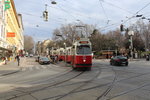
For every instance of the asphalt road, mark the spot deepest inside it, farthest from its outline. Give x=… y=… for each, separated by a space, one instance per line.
x=58 y=82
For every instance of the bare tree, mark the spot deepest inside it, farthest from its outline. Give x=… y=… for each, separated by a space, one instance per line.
x=69 y=33
x=28 y=43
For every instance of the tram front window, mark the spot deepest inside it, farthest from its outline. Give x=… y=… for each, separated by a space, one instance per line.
x=84 y=49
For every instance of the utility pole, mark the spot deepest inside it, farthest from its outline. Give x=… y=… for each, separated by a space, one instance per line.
x=131 y=33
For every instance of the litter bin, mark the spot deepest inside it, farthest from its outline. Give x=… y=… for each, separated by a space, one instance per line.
x=147 y=58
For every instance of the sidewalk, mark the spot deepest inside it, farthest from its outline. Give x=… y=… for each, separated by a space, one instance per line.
x=11 y=67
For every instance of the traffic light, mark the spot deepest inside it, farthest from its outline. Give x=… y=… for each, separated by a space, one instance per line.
x=45 y=15
x=7 y=5
x=139 y=15
x=121 y=28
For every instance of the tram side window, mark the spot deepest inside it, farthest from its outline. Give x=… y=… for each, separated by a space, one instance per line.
x=84 y=49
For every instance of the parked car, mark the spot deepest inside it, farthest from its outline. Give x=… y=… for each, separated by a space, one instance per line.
x=44 y=60
x=119 y=60
x=27 y=55
x=31 y=55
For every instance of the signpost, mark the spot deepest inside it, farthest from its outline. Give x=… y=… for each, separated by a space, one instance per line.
x=131 y=33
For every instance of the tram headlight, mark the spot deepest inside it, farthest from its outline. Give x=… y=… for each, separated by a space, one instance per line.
x=84 y=60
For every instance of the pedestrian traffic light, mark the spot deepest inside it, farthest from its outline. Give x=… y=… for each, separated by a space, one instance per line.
x=45 y=15
x=7 y=5
x=121 y=28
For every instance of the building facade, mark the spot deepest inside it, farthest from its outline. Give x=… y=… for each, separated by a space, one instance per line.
x=3 y=42
x=11 y=30
x=14 y=29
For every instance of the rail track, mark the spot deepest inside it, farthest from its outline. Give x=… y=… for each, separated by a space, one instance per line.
x=109 y=85
x=45 y=87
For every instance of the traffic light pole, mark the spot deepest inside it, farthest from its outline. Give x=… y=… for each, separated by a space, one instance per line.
x=131 y=51
x=131 y=33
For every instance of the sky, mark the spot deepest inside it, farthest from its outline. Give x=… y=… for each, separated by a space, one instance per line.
x=104 y=14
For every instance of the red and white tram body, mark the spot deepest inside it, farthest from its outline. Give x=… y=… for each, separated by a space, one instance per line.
x=82 y=54
x=61 y=54
x=68 y=55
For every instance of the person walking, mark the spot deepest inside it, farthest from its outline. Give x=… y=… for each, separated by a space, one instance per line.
x=5 y=60
x=18 y=59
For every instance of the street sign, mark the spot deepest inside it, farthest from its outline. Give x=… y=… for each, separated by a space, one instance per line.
x=7 y=5
x=10 y=34
x=131 y=33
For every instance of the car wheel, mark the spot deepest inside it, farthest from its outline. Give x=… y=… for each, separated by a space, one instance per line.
x=110 y=63
x=126 y=64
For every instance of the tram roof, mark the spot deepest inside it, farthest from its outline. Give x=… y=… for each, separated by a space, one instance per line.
x=82 y=40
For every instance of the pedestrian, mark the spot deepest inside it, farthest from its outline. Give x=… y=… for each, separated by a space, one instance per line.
x=18 y=59
x=38 y=58
x=147 y=57
x=56 y=58
x=5 y=60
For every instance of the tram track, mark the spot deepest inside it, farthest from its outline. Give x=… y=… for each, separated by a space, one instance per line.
x=82 y=85
x=108 y=89
x=45 y=87
x=128 y=91
x=51 y=78
x=77 y=89
x=104 y=94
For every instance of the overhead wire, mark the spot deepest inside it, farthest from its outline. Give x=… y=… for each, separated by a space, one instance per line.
x=76 y=13
x=133 y=16
x=103 y=10
x=117 y=7
x=143 y=8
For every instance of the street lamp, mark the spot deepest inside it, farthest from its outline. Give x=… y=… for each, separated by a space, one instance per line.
x=131 y=33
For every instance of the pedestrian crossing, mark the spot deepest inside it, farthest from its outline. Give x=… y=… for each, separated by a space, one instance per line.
x=38 y=67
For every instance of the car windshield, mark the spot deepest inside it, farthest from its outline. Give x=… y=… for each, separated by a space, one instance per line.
x=44 y=59
x=121 y=57
x=84 y=49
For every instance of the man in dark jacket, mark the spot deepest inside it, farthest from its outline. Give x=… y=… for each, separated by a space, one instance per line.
x=18 y=59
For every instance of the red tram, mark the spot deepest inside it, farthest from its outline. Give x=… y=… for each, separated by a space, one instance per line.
x=68 y=55
x=81 y=54
x=61 y=54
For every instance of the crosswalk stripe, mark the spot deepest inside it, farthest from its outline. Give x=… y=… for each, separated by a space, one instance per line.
x=55 y=66
x=44 y=67
x=37 y=67
x=31 y=68
x=23 y=69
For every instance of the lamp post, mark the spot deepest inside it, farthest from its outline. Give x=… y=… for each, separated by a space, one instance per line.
x=131 y=33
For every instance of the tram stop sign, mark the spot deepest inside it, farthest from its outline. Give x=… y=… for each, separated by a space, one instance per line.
x=131 y=33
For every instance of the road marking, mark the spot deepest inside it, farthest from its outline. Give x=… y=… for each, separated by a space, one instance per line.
x=31 y=68
x=37 y=67
x=55 y=66
x=23 y=69
x=44 y=67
